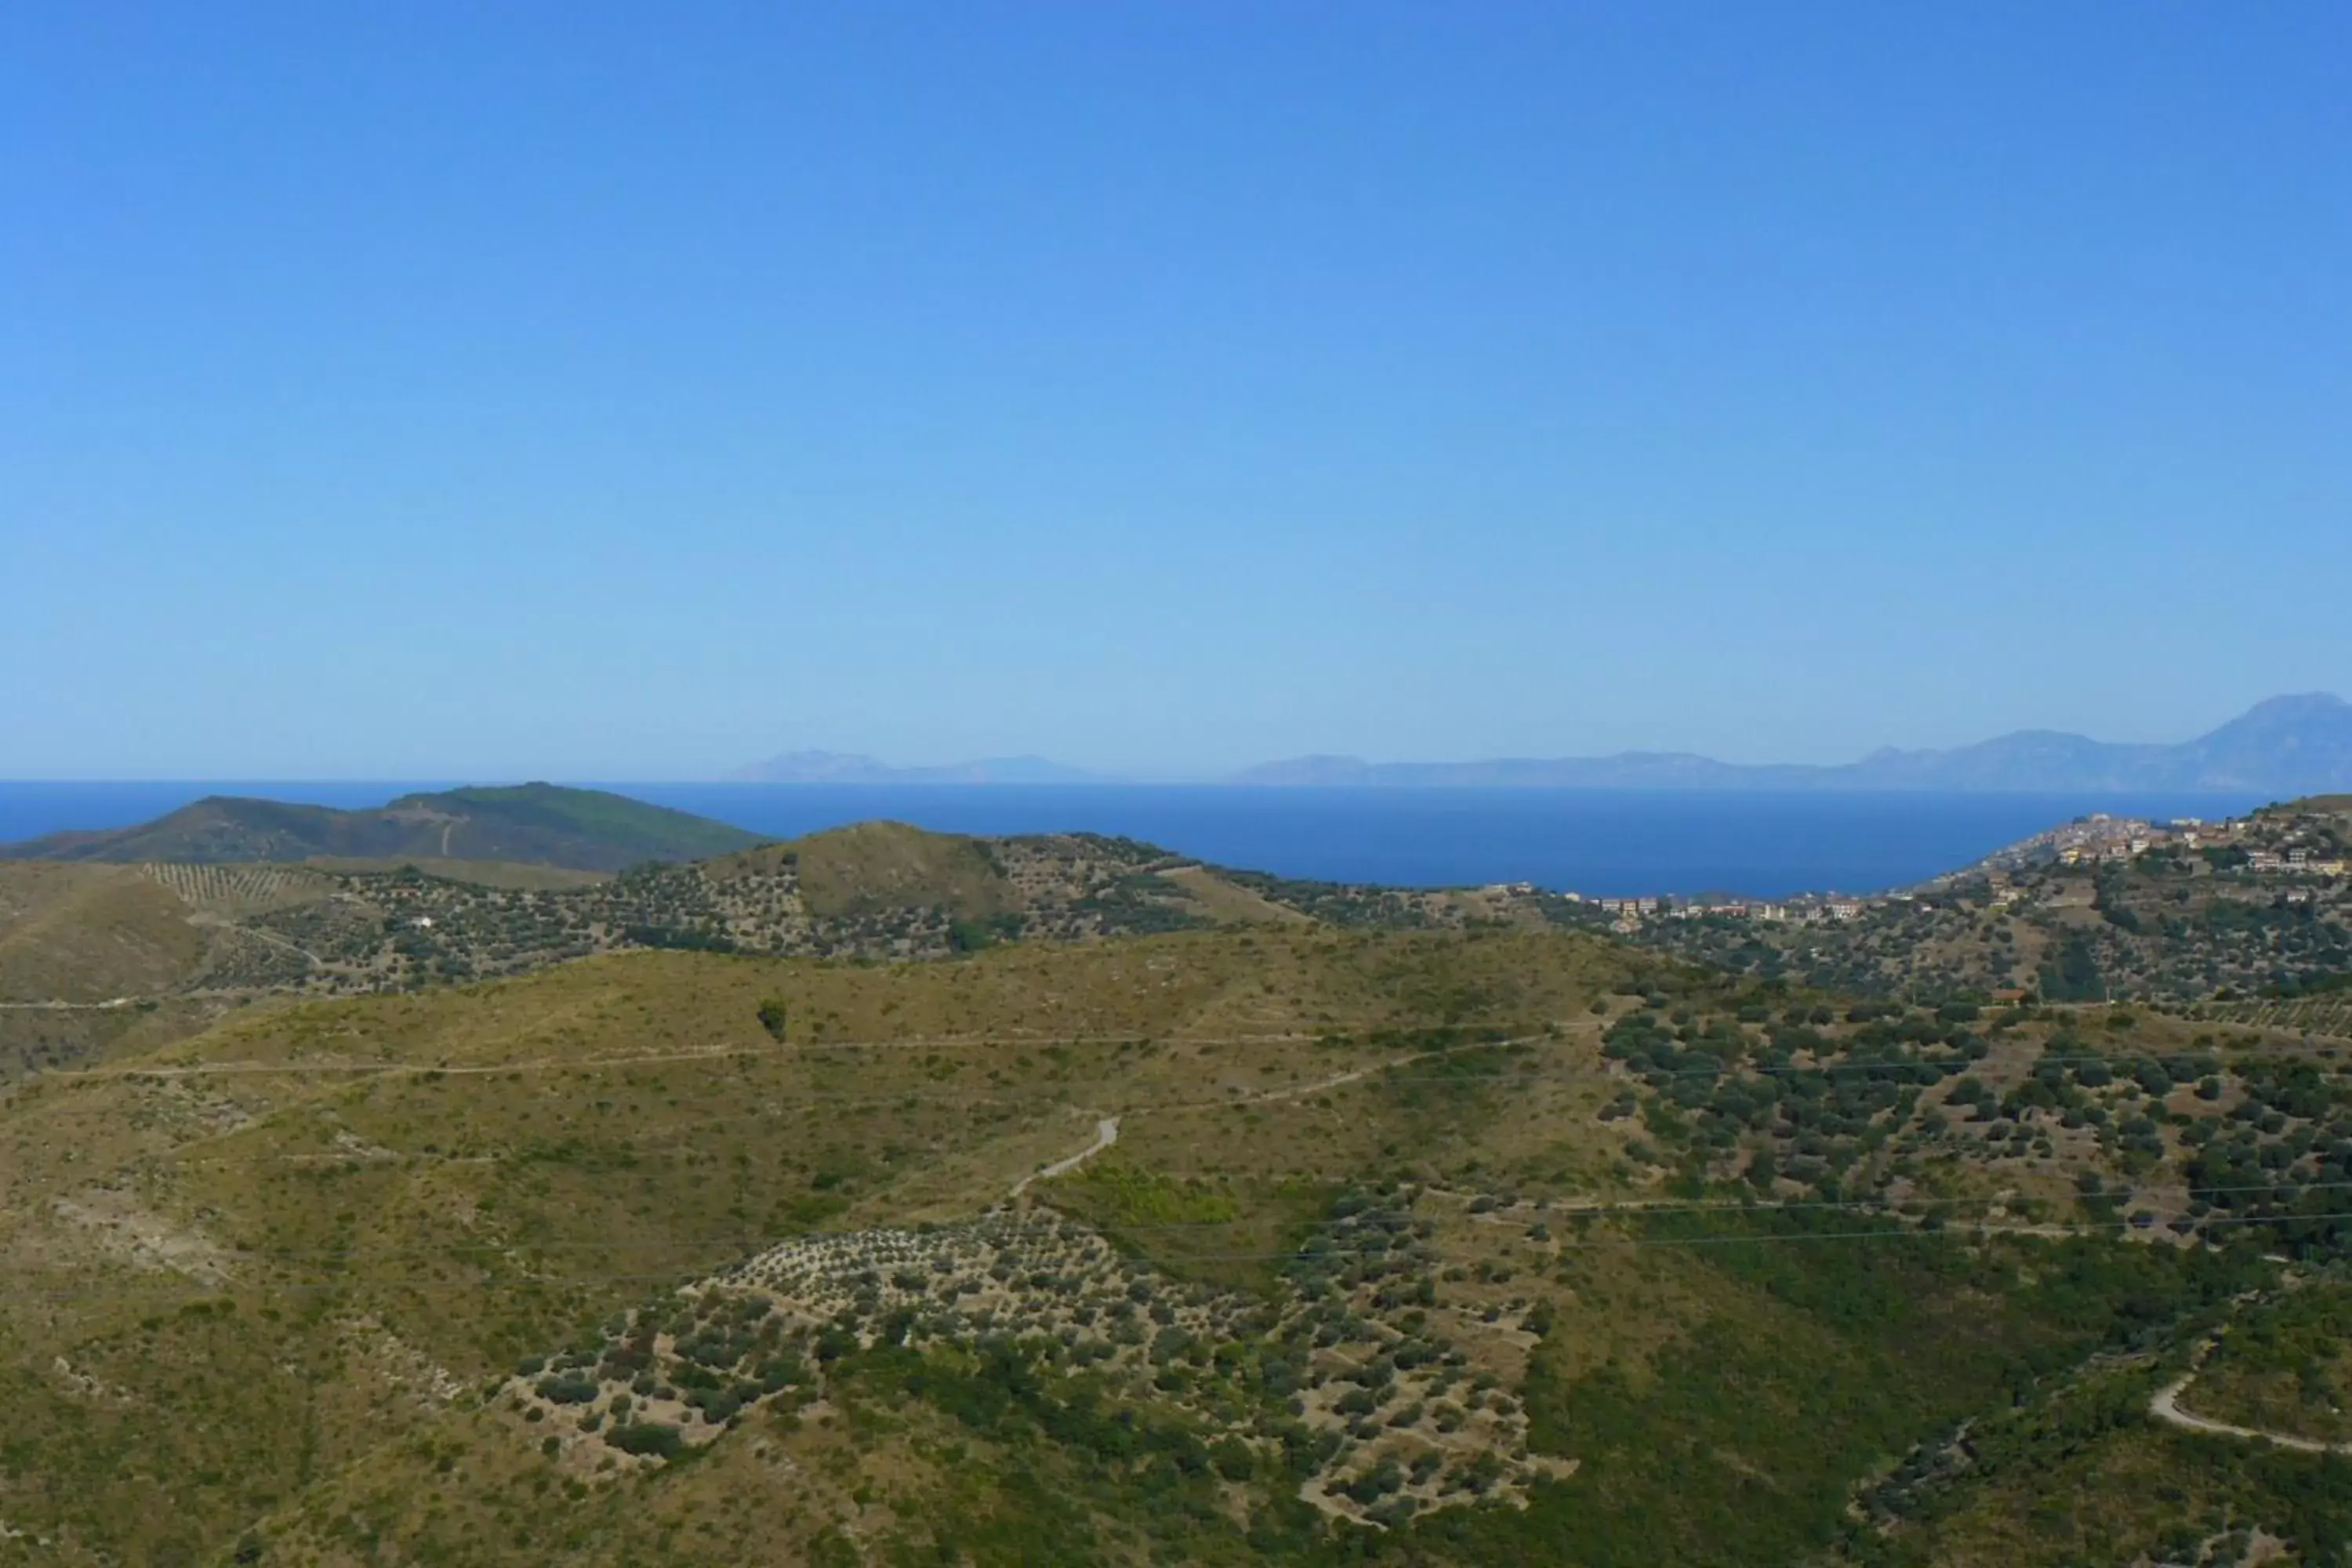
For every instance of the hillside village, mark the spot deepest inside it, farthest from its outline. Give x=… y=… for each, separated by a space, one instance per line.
x=2095 y=910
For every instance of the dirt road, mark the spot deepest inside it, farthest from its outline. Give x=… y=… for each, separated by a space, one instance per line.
x=2166 y=1407
x=1106 y=1134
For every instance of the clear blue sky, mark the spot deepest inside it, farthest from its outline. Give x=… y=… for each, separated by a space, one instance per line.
x=631 y=391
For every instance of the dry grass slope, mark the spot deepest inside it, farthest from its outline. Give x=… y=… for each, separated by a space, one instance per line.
x=401 y=1196
x=91 y=933
x=876 y=865
x=1226 y=901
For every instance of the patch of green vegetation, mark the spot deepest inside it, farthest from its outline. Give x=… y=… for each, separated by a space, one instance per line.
x=1066 y=1459
x=2284 y=1366
x=1115 y=1192
x=1230 y=1233
x=1818 y=1362
x=2077 y=1472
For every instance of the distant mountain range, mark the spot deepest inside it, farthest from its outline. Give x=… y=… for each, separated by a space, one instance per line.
x=2287 y=746
x=535 y=824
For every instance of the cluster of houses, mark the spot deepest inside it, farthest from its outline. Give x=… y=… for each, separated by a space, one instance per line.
x=2301 y=861
x=2102 y=837
x=1631 y=912
x=2089 y=840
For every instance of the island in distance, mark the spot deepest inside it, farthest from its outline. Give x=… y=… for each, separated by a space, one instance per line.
x=2284 y=746
x=532 y=823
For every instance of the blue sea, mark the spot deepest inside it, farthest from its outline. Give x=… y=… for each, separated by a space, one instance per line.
x=1596 y=842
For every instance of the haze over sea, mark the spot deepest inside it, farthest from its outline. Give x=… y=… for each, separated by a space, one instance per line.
x=1596 y=842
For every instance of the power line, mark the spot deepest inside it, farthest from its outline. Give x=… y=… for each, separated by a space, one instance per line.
x=1062 y=1228
x=797 y=1050
x=1238 y=1095
x=1632 y=1209
x=802 y=1053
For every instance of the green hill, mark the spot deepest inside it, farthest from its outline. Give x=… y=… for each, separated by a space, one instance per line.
x=535 y=824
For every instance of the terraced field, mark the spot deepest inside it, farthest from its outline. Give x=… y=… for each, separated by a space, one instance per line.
x=234 y=888
x=2329 y=1015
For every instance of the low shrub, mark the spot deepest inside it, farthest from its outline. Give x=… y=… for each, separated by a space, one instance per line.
x=657 y=1438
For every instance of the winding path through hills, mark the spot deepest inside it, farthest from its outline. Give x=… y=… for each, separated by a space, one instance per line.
x=1106 y=1129
x=259 y=934
x=1106 y=1134
x=2166 y=1407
